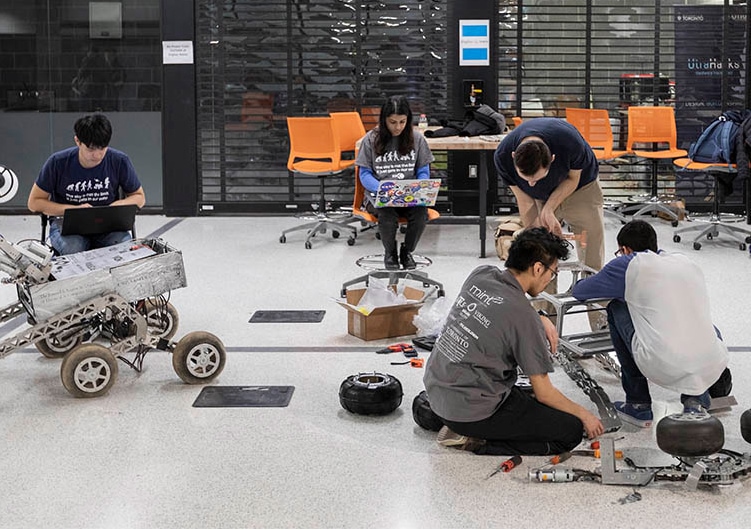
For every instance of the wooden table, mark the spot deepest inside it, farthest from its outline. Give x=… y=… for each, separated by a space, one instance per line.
x=485 y=150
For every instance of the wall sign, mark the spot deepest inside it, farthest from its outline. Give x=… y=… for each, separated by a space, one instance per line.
x=474 y=43
x=177 y=52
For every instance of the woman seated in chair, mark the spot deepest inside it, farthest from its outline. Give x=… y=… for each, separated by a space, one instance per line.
x=394 y=150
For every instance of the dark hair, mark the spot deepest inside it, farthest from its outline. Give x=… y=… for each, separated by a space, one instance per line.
x=395 y=105
x=638 y=236
x=94 y=131
x=533 y=245
x=532 y=155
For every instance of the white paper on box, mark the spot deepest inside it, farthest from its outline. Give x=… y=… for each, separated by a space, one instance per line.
x=55 y=297
x=132 y=280
x=149 y=277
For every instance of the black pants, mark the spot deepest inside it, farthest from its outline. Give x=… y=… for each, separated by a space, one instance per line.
x=388 y=224
x=524 y=426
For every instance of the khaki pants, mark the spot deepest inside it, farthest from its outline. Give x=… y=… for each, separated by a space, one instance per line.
x=583 y=212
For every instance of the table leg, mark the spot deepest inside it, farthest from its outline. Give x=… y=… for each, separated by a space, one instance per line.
x=483 y=191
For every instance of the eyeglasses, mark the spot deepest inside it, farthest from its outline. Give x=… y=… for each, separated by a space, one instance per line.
x=618 y=252
x=554 y=273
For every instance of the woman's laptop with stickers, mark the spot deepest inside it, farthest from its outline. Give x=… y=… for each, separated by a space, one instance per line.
x=407 y=193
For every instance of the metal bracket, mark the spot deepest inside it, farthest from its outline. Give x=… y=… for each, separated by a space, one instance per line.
x=611 y=476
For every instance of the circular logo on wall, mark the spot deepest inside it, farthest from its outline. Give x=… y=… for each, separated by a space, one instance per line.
x=8 y=184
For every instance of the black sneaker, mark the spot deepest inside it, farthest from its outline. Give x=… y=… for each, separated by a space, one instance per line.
x=391 y=261
x=723 y=386
x=405 y=257
x=695 y=405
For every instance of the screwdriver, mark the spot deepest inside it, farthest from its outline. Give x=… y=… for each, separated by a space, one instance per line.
x=595 y=453
x=511 y=463
x=393 y=348
x=507 y=465
x=557 y=459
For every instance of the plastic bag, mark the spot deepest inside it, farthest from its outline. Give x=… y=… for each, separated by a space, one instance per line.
x=430 y=319
x=379 y=294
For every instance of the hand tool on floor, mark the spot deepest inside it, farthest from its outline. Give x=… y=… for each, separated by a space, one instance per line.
x=557 y=459
x=406 y=349
x=506 y=465
x=593 y=453
x=414 y=363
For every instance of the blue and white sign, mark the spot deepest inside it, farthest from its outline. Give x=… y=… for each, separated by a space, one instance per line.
x=474 y=43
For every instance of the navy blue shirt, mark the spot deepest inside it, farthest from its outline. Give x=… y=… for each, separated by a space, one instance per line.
x=569 y=147
x=67 y=182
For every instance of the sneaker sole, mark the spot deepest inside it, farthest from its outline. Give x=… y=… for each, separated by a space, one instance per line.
x=449 y=438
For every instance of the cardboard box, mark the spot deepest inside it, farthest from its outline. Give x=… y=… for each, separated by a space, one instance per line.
x=382 y=322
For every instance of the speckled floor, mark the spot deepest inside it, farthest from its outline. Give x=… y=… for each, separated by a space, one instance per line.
x=142 y=456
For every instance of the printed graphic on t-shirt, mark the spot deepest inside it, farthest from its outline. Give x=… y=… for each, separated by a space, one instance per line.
x=393 y=166
x=88 y=191
x=469 y=319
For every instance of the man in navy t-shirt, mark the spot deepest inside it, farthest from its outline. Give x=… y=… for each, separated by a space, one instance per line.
x=90 y=174
x=552 y=172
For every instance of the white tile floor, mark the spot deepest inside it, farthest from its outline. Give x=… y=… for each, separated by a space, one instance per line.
x=141 y=456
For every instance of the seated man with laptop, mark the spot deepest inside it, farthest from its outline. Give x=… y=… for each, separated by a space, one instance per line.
x=91 y=174
x=394 y=151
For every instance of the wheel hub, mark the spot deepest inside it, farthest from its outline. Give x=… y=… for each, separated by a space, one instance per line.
x=92 y=374
x=203 y=360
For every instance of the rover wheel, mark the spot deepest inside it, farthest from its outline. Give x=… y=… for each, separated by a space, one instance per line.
x=674 y=223
x=424 y=415
x=55 y=347
x=89 y=371
x=746 y=425
x=676 y=239
x=282 y=238
x=308 y=245
x=162 y=319
x=198 y=357
x=697 y=245
x=335 y=234
x=371 y=393
x=351 y=241
x=688 y=435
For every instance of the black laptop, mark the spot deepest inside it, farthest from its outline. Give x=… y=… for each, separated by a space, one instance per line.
x=98 y=220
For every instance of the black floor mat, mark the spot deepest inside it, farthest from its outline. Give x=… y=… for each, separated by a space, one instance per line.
x=287 y=317
x=244 y=396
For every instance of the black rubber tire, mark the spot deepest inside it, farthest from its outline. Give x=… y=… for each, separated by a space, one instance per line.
x=746 y=425
x=198 y=357
x=89 y=371
x=676 y=239
x=689 y=435
x=53 y=348
x=424 y=415
x=371 y=393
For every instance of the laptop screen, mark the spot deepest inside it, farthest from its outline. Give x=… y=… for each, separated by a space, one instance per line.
x=98 y=220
